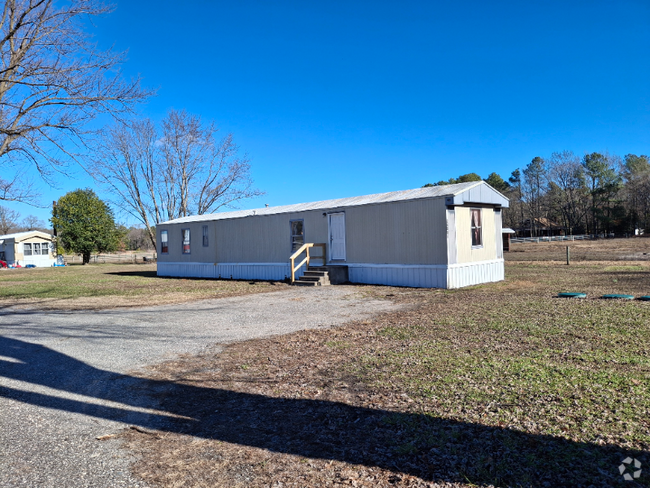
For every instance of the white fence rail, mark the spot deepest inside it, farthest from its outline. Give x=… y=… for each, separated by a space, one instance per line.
x=118 y=258
x=553 y=238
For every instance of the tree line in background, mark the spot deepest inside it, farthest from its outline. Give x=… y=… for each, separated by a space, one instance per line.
x=11 y=222
x=598 y=194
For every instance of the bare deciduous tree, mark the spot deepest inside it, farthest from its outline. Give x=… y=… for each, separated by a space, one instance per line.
x=179 y=171
x=32 y=222
x=18 y=189
x=636 y=175
x=53 y=81
x=8 y=220
x=567 y=191
x=532 y=189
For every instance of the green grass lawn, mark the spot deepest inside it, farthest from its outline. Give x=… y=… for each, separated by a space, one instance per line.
x=111 y=285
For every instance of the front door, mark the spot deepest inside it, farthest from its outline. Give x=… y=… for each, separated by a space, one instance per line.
x=337 y=236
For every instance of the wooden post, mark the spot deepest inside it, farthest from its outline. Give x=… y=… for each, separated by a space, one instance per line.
x=568 y=256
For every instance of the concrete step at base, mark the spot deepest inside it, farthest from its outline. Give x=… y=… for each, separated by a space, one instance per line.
x=316 y=274
x=317 y=268
x=306 y=283
x=322 y=281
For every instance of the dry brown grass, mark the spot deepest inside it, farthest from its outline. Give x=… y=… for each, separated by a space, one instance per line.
x=633 y=249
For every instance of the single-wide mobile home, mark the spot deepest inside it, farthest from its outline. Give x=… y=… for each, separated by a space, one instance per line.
x=442 y=236
x=25 y=248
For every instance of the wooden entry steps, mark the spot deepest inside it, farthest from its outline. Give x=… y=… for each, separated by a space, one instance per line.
x=314 y=276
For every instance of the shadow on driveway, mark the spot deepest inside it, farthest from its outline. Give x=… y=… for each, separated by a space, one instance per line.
x=435 y=449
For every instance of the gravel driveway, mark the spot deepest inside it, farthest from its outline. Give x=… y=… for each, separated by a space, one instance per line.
x=63 y=381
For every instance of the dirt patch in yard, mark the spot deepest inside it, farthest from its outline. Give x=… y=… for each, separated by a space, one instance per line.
x=495 y=385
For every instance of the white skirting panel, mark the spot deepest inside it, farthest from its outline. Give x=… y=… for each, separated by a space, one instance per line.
x=38 y=261
x=418 y=276
x=427 y=276
x=399 y=275
x=234 y=271
x=467 y=274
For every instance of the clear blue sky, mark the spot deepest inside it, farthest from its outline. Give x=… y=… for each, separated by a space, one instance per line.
x=340 y=98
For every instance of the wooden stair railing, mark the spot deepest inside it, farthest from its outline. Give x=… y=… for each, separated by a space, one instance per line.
x=305 y=248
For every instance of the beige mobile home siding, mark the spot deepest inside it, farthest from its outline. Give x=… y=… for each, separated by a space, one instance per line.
x=266 y=239
x=198 y=253
x=254 y=239
x=387 y=233
x=464 y=235
x=410 y=232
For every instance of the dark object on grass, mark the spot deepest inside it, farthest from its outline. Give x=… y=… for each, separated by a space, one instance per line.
x=30 y=266
x=645 y=298
x=572 y=295
x=624 y=297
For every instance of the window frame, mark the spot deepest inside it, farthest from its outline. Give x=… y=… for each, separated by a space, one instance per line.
x=206 y=240
x=36 y=248
x=164 y=243
x=27 y=249
x=45 y=248
x=189 y=241
x=476 y=230
x=293 y=236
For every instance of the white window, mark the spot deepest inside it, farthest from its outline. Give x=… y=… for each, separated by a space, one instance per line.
x=37 y=248
x=297 y=234
x=205 y=236
x=477 y=234
x=27 y=249
x=164 y=247
x=45 y=249
x=186 y=240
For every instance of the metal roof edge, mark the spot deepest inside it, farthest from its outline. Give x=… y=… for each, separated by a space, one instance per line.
x=357 y=201
x=471 y=184
x=26 y=234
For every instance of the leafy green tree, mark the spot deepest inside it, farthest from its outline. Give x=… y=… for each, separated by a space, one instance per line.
x=516 y=211
x=468 y=178
x=496 y=182
x=85 y=224
x=515 y=178
x=452 y=181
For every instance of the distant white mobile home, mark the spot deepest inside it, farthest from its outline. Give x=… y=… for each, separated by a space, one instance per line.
x=25 y=248
x=440 y=237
